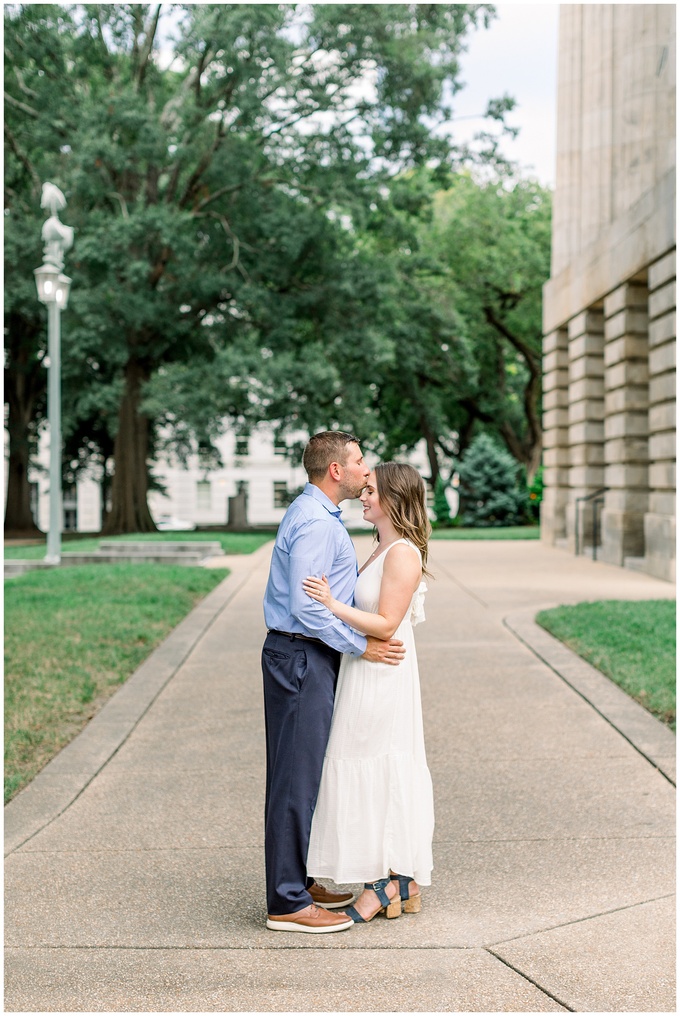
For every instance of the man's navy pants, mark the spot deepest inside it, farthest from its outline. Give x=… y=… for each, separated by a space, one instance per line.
x=299 y=689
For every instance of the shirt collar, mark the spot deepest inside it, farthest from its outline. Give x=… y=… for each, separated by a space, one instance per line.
x=313 y=491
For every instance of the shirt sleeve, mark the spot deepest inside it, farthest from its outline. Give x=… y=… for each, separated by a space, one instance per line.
x=310 y=554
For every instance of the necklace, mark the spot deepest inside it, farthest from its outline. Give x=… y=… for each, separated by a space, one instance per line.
x=380 y=548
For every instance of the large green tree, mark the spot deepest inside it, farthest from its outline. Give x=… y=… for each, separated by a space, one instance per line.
x=494 y=239
x=210 y=195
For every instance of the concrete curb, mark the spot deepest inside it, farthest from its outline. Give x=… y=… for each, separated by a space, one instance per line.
x=649 y=736
x=66 y=776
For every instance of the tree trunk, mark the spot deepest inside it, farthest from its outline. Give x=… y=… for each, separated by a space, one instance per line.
x=129 y=509
x=25 y=383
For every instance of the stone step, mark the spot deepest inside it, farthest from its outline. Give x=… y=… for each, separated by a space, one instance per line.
x=19 y=567
x=148 y=557
x=204 y=548
x=110 y=552
x=636 y=563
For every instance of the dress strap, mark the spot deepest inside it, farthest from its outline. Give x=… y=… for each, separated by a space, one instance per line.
x=408 y=543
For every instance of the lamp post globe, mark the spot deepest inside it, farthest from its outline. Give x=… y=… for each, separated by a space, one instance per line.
x=53 y=291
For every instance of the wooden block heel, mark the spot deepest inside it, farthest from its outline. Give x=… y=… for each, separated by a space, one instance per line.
x=394 y=909
x=412 y=904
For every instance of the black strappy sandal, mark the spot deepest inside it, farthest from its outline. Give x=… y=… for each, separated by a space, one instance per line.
x=390 y=907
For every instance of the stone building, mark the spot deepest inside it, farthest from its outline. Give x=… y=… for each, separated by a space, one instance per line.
x=609 y=306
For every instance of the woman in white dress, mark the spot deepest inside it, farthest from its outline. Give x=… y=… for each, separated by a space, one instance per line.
x=374 y=816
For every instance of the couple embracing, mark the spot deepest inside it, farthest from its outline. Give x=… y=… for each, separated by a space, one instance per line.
x=348 y=794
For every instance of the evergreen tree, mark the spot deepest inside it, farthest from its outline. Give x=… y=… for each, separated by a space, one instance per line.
x=490 y=490
x=442 y=512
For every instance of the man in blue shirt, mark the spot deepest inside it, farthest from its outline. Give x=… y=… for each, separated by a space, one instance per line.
x=300 y=662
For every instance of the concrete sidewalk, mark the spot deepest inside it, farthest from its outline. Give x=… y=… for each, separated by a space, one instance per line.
x=134 y=878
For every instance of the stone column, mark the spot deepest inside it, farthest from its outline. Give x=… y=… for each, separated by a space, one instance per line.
x=586 y=414
x=555 y=438
x=626 y=425
x=659 y=521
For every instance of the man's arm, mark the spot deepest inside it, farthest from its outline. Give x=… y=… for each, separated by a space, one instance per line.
x=311 y=552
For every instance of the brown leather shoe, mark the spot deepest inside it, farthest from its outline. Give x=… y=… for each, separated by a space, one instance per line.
x=312 y=920
x=329 y=899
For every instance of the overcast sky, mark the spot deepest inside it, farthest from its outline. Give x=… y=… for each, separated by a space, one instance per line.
x=516 y=54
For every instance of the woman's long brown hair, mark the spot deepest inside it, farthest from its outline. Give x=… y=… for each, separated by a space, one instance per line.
x=401 y=492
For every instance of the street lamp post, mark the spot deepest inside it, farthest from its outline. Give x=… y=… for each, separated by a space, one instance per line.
x=53 y=289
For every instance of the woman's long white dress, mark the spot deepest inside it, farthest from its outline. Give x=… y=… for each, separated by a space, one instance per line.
x=375 y=809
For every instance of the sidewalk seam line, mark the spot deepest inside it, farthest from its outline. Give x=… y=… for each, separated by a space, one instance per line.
x=250 y=846
x=188 y=651
x=460 y=585
x=526 y=977
x=582 y=920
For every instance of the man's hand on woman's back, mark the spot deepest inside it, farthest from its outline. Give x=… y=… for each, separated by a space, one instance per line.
x=390 y=651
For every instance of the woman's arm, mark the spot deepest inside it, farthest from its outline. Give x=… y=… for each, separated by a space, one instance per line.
x=401 y=576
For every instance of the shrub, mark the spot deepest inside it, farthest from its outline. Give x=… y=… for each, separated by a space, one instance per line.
x=536 y=495
x=440 y=505
x=490 y=490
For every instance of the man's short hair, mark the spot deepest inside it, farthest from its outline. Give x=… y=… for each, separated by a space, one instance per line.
x=324 y=448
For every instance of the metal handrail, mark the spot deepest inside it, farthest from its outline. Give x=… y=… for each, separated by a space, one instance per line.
x=596 y=498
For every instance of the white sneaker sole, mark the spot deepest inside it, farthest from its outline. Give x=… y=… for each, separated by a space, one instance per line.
x=305 y=929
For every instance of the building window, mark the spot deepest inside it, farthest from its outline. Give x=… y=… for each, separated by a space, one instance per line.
x=70 y=507
x=282 y=497
x=429 y=497
x=280 y=446
x=204 y=494
x=34 y=495
x=241 y=449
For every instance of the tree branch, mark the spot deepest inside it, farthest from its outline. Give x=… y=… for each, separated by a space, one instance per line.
x=218 y=194
x=22 y=106
x=232 y=236
x=23 y=159
x=148 y=46
x=519 y=345
x=121 y=200
x=23 y=86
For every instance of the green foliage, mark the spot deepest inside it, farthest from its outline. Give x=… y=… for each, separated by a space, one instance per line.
x=240 y=213
x=535 y=491
x=633 y=643
x=440 y=506
x=490 y=492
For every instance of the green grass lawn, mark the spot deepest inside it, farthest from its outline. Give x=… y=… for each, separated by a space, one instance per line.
x=72 y=637
x=632 y=642
x=232 y=543
x=489 y=533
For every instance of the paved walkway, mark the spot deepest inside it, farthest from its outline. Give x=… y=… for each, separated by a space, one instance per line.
x=134 y=880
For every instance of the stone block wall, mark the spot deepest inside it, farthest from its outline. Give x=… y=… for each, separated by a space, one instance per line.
x=586 y=423
x=555 y=434
x=626 y=428
x=609 y=306
x=659 y=518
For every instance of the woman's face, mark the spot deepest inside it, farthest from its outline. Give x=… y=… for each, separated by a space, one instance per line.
x=370 y=501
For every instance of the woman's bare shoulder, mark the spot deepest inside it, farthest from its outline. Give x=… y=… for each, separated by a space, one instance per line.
x=400 y=557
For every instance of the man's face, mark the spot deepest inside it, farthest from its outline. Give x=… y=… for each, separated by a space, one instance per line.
x=355 y=472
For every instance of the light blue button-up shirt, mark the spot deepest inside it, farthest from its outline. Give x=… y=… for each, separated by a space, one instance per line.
x=312 y=541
